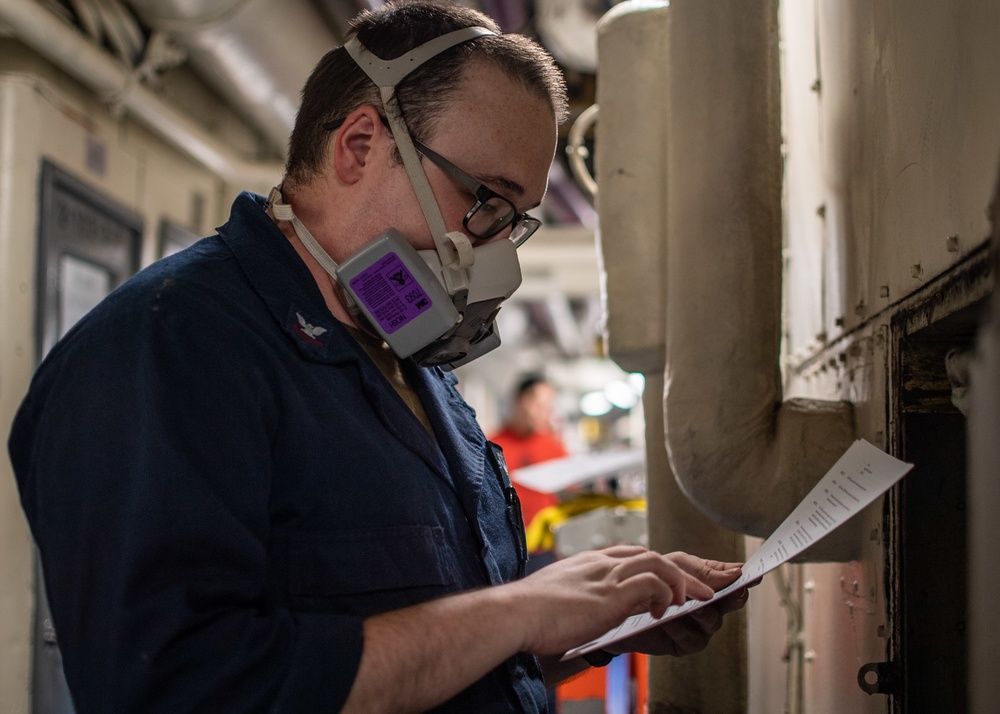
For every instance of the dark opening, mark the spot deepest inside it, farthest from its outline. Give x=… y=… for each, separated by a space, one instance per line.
x=932 y=551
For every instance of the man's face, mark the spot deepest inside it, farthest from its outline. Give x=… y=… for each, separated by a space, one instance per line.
x=535 y=408
x=494 y=130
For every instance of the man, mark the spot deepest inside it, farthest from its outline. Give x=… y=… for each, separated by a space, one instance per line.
x=528 y=438
x=244 y=502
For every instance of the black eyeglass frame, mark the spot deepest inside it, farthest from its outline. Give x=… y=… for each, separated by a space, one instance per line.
x=522 y=225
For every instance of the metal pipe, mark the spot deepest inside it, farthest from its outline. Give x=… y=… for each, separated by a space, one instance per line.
x=630 y=154
x=740 y=453
x=234 y=47
x=108 y=76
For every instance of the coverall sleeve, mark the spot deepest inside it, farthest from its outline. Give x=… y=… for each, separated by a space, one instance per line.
x=143 y=457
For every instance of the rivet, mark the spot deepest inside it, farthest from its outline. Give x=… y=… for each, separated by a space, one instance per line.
x=952 y=244
x=883 y=291
x=917 y=270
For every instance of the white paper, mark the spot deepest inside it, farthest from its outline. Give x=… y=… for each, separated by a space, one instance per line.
x=860 y=476
x=559 y=474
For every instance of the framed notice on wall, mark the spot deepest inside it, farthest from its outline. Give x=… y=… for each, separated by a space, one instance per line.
x=88 y=244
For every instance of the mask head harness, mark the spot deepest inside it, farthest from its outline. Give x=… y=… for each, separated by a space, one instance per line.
x=437 y=305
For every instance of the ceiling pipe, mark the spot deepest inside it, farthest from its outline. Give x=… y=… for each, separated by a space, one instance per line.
x=255 y=53
x=740 y=453
x=233 y=47
x=107 y=76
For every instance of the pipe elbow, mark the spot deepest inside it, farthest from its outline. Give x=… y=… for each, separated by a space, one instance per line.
x=749 y=476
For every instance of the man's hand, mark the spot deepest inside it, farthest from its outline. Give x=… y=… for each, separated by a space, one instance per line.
x=581 y=597
x=684 y=635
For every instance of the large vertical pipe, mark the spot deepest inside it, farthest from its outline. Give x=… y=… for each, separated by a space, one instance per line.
x=740 y=454
x=713 y=681
x=631 y=168
x=631 y=157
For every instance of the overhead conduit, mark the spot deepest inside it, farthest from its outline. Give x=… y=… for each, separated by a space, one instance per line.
x=739 y=452
x=242 y=49
x=107 y=75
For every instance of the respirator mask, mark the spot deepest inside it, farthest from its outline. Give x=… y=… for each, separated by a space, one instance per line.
x=438 y=306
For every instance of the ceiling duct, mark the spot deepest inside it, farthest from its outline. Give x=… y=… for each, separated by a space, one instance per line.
x=107 y=76
x=255 y=53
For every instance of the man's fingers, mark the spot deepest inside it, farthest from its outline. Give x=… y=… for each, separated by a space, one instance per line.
x=651 y=595
x=714 y=573
x=682 y=584
x=623 y=551
x=708 y=619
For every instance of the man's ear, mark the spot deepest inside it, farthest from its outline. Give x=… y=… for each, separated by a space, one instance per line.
x=354 y=142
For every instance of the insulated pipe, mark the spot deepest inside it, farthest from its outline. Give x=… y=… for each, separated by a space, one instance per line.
x=255 y=53
x=106 y=75
x=739 y=453
x=630 y=162
x=713 y=681
x=631 y=158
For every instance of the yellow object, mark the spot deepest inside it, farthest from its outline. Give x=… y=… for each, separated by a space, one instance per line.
x=538 y=534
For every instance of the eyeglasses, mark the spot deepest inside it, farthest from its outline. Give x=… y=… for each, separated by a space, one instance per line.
x=491 y=214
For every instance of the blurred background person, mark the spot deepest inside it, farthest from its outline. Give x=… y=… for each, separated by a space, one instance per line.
x=529 y=437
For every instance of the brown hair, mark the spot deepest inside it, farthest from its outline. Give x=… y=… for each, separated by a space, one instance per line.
x=337 y=86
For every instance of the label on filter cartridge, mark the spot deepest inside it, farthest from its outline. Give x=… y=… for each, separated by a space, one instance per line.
x=390 y=293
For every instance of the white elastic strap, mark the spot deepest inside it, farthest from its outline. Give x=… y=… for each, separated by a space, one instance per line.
x=389 y=73
x=283 y=212
x=454 y=248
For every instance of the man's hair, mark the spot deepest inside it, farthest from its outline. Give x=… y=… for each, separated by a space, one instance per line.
x=527 y=383
x=337 y=86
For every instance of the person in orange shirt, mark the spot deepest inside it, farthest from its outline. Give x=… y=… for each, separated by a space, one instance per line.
x=529 y=438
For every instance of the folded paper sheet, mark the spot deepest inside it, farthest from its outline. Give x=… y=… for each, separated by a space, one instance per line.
x=860 y=476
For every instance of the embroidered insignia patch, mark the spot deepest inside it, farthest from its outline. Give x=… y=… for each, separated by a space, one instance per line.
x=307 y=331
